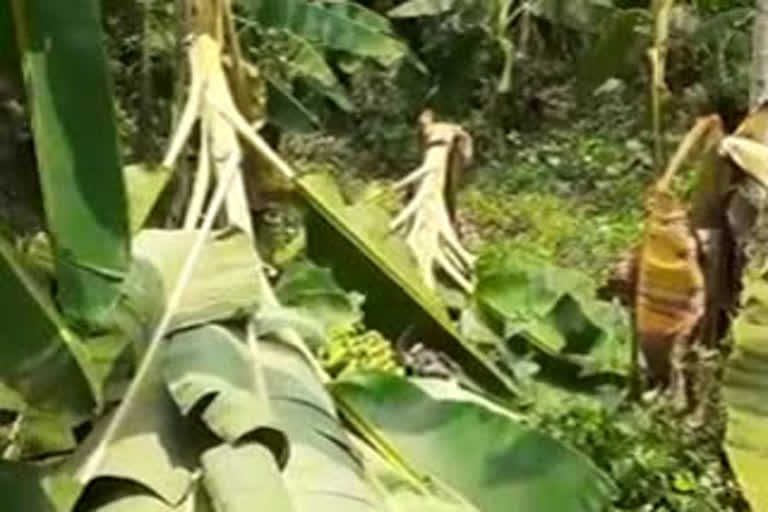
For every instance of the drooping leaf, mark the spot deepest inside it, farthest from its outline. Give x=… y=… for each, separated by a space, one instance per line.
x=494 y=462
x=746 y=382
x=355 y=241
x=76 y=140
x=224 y=283
x=331 y=27
x=418 y=8
x=38 y=352
x=210 y=370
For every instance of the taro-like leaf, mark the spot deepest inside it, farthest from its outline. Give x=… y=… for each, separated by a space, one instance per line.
x=495 y=462
x=555 y=309
x=356 y=242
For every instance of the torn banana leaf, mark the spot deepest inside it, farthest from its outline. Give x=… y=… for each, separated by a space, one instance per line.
x=39 y=351
x=210 y=371
x=324 y=471
x=356 y=242
x=225 y=281
x=495 y=462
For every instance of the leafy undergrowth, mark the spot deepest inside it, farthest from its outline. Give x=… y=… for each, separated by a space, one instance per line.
x=659 y=463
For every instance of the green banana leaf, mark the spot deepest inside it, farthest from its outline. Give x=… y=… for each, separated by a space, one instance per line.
x=526 y=300
x=337 y=26
x=73 y=122
x=224 y=284
x=38 y=351
x=746 y=395
x=324 y=472
x=210 y=371
x=243 y=479
x=496 y=463
x=308 y=62
x=356 y=242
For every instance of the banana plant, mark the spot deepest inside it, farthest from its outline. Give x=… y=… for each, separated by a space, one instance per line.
x=500 y=17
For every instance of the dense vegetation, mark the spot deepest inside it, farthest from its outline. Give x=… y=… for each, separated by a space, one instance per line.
x=309 y=349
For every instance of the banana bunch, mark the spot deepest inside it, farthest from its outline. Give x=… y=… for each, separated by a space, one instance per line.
x=353 y=349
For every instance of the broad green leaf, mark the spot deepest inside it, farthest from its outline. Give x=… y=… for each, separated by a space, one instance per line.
x=361 y=14
x=209 y=370
x=313 y=290
x=28 y=488
x=155 y=447
x=356 y=242
x=418 y=8
x=495 y=462
x=144 y=185
x=746 y=393
x=333 y=27
x=323 y=472
x=38 y=351
x=225 y=281
x=554 y=309
x=73 y=122
x=244 y=478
